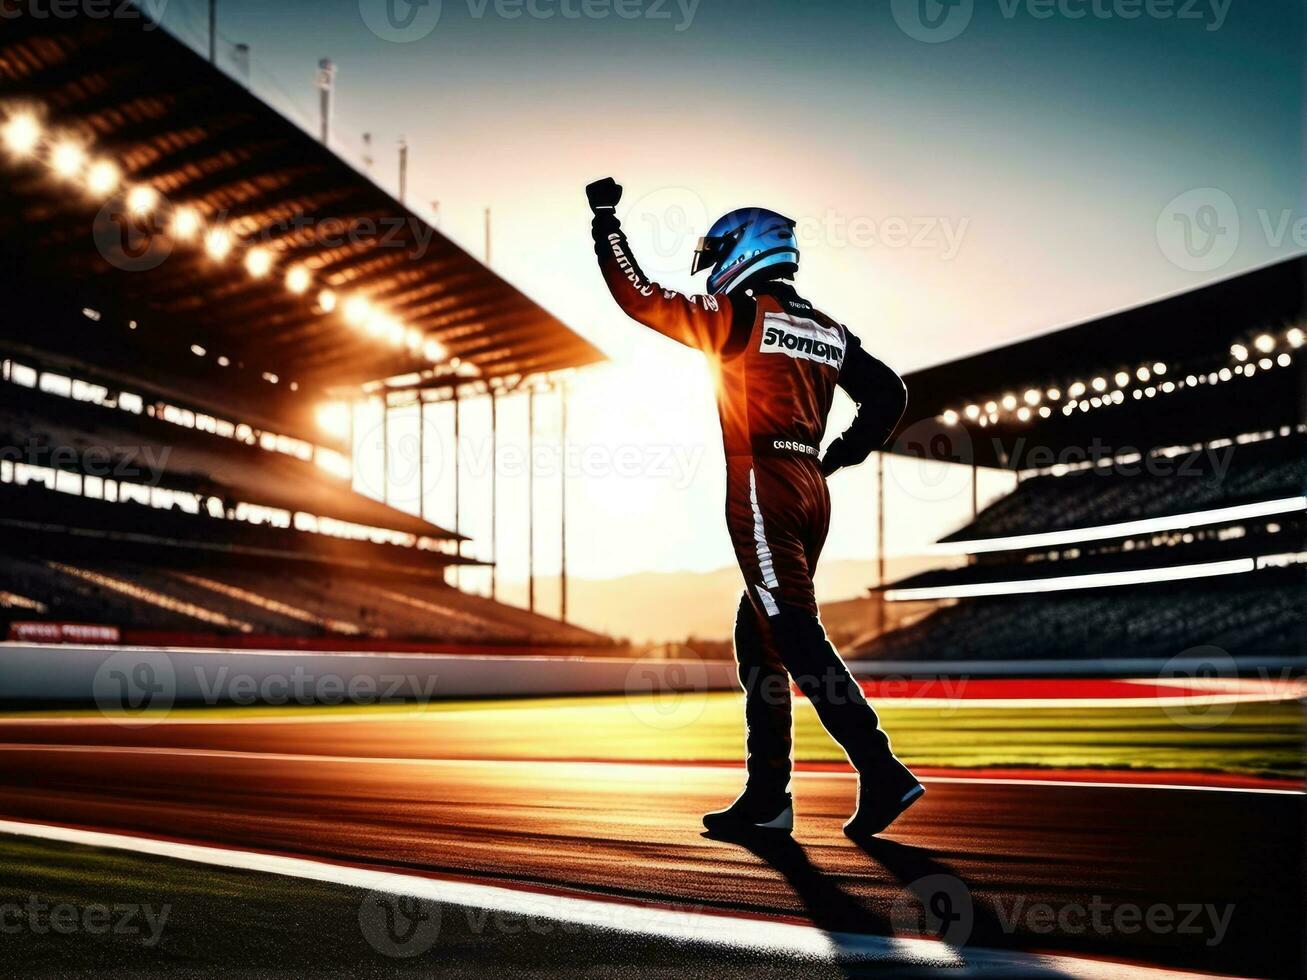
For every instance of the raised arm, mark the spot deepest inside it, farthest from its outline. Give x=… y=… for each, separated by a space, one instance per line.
x=701 y=322
x=881 y=398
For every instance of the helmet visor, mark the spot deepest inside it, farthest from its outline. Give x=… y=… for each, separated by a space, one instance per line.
x=711 y=250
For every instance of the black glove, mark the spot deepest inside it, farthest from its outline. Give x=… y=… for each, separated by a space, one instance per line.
x=836 y=458
x=604 y=194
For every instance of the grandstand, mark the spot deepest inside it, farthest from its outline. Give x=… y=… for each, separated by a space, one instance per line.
x=191 y=300
x=1160 y=503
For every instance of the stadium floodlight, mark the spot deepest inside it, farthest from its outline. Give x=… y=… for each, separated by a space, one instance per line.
x=357 y=311
x=1077 y=389
x=185 y=223
x=1284 y=360
x=21 y=134
x=950 y=417
x=1239 y=351
x=68 y=159
x=1150 y=391
x=103 y=177
x=1168 y=387
x=1159 y=368
x=1053 y=394
x=327 y=300
x=197 y=350
x=413 y=338
x=142 y=199
x=1294 y=337
x=224 y=361
x=973 y=412
x=1143 y=374
x=1122 y=379
x=1032 y=397
x=258 y=262
x=1118 y=397
x=1225 y=374
x=1045 y=411
x=1139 y=394
x=218 y=243
x=434 y=351
x=298 y=280
x=1100 y=384
x=334 y=418
x=1009 y=402
x=991 y=407
x=1265 y=363
x=1023 y=414
x=1265 y=343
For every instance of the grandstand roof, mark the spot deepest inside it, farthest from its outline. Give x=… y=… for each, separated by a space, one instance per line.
x=1190 y=334
x=167 y=119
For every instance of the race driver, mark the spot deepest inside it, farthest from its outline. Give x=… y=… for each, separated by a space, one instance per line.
x=777 y=361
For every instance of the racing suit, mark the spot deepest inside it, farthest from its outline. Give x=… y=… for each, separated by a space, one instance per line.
x=777 y=361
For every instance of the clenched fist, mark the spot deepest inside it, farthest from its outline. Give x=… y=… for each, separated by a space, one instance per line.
x=604 y=194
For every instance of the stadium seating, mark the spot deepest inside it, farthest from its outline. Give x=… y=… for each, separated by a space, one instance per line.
x=1257 y=471
x=1257 y=614
x=228 y=601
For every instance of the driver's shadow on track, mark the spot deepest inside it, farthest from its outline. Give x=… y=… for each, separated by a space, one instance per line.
x=935 y=902
x=930 y=900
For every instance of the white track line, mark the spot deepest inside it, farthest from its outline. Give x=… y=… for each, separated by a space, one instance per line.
x=674 y=924
x=537 y=763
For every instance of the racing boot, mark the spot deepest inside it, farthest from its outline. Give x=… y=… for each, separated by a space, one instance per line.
x=755 y=813
x=883 y=794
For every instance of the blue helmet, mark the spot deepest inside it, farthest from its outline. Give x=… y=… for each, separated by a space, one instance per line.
x=743 y=243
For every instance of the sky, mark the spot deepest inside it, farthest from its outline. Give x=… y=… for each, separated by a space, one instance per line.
x=963 y=176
